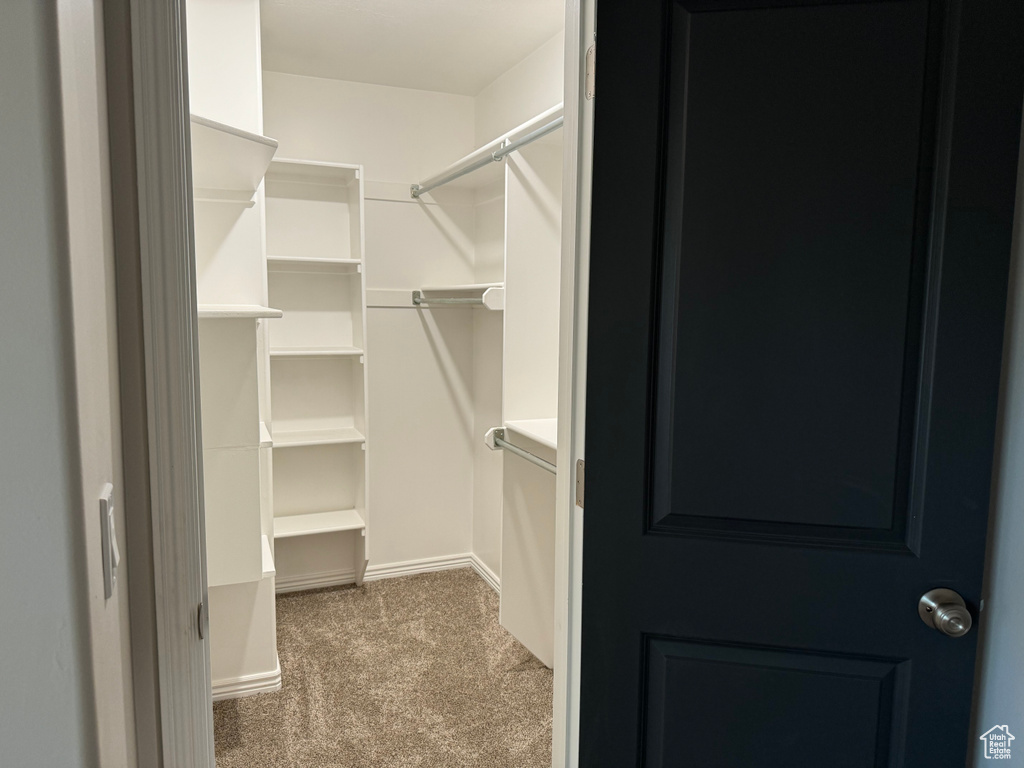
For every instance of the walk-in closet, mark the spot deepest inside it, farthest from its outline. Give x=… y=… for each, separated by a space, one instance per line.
x=377 y=207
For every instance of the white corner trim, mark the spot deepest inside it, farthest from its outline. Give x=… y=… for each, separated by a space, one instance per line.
x=486 y=573
x=248 y=685
x=319 y=579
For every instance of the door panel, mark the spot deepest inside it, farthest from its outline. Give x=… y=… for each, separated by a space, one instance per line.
x=795 y=335
x=705 y=695
x=799 y=233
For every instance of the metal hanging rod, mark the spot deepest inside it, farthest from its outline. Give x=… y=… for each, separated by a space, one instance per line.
x=507 y=147
x=418 y=299
x=501 y=442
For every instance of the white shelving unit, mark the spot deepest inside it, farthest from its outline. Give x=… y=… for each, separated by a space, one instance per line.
x=228 y=166
x=318 y=352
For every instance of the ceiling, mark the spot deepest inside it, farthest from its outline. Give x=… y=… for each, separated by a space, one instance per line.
x=453 y=46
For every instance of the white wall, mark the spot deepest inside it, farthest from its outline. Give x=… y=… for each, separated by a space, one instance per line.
x=527 y=89
x=224 y=61
x=1000 y=691
x=46 y=680
x=399 y=134
x=95 y=349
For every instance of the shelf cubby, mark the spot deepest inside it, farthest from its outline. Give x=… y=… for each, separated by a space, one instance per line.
x=320 y=310
x=313 y=212
x=228 y=365
x=231 y=487
x=318 y=478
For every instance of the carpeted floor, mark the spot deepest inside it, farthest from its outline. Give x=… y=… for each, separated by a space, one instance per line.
x=414 y=671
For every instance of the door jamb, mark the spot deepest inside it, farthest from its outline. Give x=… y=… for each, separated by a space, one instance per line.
x=577 y=165
x=160 y=387
x=150 y=154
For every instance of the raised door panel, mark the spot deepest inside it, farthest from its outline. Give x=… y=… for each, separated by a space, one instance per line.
x=796 y=209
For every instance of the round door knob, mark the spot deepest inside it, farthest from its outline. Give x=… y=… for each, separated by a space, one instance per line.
x=944 y=610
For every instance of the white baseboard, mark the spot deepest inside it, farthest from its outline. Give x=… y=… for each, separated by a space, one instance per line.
x=321 y=579
x=247 y=685
x=423 y=565
x=486 y=573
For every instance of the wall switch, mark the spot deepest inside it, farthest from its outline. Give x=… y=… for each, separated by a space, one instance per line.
x=108 y=537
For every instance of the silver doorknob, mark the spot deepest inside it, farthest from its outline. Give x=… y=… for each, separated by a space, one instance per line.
x=945 y=610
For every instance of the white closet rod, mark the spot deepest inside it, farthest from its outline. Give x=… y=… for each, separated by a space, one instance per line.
x=498 y=436
x=550 y=120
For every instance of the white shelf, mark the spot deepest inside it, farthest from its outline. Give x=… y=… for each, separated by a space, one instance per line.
x=491 y=294
x=317 y=522
x=316 y=352
x=315 y=265
x=312 y=171
x=236 y=311
x=214 y=197
x=469 y=288
x=543 y=431
x=306 y=437
x=228 y=159
x=266 y=441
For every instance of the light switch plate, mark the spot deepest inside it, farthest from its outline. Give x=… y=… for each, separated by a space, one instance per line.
x=108 y=538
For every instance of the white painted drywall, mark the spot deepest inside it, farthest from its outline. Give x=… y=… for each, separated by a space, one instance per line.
x=46 y=690
x=224 y=61
x=91 y=251
x=999 y=697
x=453 y=46
x=524 y=91
x=398 y=134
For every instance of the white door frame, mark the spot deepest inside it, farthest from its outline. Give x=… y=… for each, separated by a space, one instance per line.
x=149 y=125
x=577 y=164
x=156 y=275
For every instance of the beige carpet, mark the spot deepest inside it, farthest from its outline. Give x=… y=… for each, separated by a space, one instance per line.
x=413 y=671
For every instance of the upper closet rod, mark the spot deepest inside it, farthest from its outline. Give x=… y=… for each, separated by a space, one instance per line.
x=503 y=148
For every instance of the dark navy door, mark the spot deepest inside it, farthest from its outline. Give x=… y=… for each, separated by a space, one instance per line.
x=801 y=235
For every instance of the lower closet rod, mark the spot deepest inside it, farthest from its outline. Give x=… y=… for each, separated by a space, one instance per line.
x=501 y=442
x=418 y=299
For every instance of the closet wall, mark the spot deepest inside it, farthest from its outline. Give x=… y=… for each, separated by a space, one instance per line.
x=436 y=374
